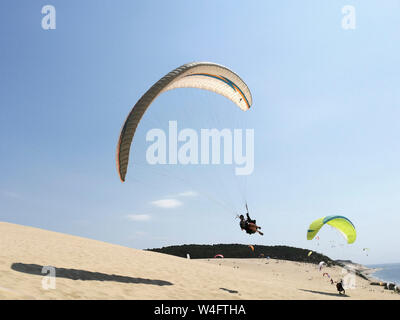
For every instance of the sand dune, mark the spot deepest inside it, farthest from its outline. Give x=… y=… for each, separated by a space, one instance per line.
x=89 y=269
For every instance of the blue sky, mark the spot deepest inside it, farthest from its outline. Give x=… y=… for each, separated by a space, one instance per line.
x=325 y=114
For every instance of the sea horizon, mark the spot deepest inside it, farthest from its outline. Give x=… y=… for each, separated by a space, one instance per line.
x=387 y=272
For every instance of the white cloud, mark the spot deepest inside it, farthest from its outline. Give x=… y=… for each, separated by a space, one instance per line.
x=167 y=203
x=138 y=217
x=188 y=194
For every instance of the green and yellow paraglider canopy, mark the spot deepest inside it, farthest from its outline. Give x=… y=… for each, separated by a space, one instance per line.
x=342 y=224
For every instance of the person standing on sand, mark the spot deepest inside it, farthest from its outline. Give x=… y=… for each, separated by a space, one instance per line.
x=339 y=287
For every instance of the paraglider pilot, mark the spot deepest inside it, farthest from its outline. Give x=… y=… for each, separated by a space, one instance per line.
x=248 y=224
x=339 y=287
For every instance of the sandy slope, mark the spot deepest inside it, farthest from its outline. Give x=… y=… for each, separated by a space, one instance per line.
x=89 y=269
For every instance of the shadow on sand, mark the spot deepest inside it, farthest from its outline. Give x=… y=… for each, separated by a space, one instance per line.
x=230 y=291
x=326 y=293
x=76 y=274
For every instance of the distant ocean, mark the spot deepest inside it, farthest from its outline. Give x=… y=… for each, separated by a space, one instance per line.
x=390 y=272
